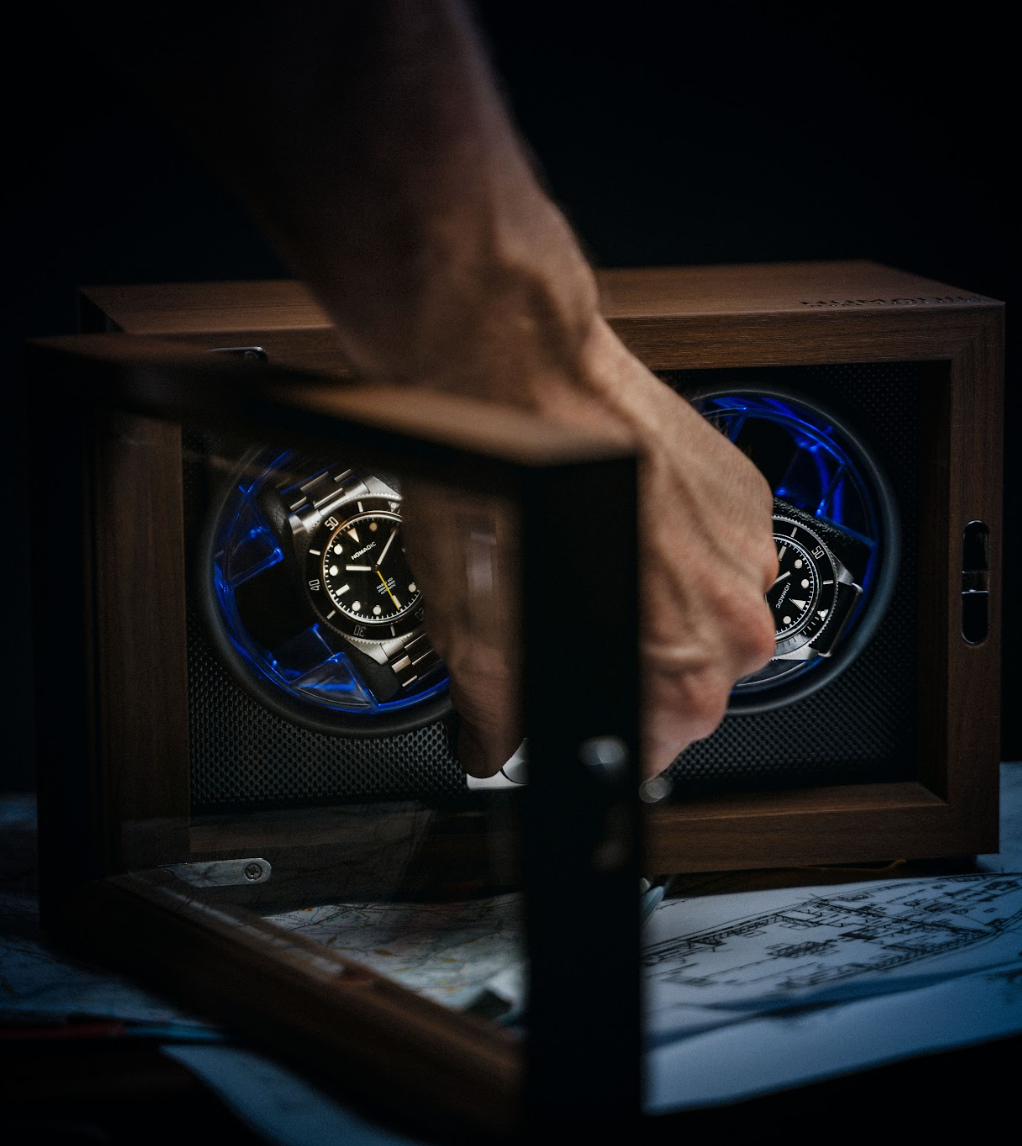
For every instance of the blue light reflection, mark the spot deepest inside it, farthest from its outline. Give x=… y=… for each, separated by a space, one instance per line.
x=313 y=666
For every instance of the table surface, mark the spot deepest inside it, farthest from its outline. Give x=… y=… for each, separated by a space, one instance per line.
x=91 y=1086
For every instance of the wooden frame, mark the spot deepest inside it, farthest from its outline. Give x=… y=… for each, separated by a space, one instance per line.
x=701 y=318
x=107 y=450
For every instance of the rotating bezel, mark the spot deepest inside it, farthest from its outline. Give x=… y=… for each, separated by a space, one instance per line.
x=819 y=610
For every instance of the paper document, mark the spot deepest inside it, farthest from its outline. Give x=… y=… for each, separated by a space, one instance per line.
x=449 y=952
x=767 y=950
x=773 y=1052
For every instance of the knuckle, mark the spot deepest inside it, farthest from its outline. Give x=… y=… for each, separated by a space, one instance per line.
x=694 y=703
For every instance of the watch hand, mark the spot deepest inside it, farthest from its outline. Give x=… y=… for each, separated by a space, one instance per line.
x=359 y=568
x=383 y=551
x=397 y=603
x=781 y=578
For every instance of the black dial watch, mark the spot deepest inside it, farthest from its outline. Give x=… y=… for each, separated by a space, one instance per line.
x=818 y=585
x=345 y=531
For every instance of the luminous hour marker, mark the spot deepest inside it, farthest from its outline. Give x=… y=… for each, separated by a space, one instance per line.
x=334 y=570
x=798 y=604
x=786 y=620
x=343 y=589
x=781 y=552
x=805 y=584
x=412 y=588
x=798 y=562
x=337 y=550
x=353 y=535
x=316 y=552
x=377 y=610
x=359 y=568
x=373 y=527
x=355 y=606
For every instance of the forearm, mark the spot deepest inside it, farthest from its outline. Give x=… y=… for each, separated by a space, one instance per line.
x=372 y=143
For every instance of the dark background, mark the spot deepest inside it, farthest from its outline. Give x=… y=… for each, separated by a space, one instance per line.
x=758 y=135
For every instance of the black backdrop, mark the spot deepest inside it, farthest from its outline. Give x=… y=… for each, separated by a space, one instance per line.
x=679 y=138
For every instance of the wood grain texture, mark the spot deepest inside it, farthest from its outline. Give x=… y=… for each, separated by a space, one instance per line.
x=142 y=672
x=332 y=1017
x=625 y=294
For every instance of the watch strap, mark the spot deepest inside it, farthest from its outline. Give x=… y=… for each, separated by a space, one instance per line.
x=327 y=489
x=416 y=659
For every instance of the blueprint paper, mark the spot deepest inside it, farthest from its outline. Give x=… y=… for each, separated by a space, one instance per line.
x=707 y=960
x=773 y=1052
x=768 y=950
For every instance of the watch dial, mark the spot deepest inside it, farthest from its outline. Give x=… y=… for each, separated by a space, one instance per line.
x=802 y=598
x=359 y=579
x=793 y=595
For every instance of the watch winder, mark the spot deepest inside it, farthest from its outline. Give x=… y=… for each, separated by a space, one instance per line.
x=871 y=399
x=177 y=803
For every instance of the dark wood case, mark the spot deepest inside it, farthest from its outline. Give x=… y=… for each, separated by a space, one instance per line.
x=696 y=319
x=114 y=797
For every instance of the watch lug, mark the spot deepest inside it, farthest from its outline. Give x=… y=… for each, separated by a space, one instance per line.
x=834 y=630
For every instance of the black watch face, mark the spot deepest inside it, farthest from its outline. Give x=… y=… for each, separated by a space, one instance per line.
x=357 y=575
x=802 y=598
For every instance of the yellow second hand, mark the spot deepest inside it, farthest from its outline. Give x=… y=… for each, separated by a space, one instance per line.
x=387 y=587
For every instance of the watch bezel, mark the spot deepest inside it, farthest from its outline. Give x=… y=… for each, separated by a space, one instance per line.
x=801 y=636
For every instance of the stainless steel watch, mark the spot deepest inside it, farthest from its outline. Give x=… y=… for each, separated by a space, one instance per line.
x=345 y=530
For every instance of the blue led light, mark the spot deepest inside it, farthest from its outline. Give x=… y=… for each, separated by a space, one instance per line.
x=313 y=666
x=819 y=467
x=822 y=478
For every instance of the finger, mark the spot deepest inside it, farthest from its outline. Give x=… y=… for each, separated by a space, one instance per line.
x=462 y=550
x=489 y=729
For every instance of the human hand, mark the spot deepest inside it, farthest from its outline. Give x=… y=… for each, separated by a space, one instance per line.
x=707 y=558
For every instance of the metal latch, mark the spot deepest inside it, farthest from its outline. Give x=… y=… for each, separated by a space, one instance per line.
x=221 y=873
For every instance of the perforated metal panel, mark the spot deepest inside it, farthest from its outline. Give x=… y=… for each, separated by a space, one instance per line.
x=862 y=726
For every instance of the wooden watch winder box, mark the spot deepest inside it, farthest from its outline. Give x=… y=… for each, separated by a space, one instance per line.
x=895 y=756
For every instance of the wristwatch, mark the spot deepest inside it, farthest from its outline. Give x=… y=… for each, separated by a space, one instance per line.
x=818 y=585
x=342 y=536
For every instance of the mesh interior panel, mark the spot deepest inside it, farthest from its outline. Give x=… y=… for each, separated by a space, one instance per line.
x=244 y=756
x=861 y=727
